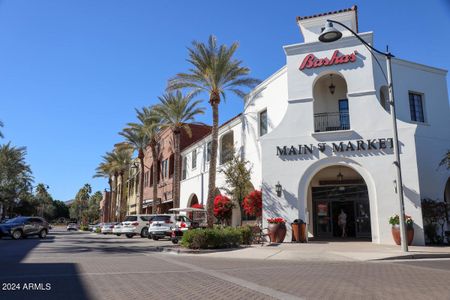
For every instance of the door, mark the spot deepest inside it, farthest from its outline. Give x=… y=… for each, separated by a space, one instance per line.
x=344 y=117
x=322 y=218
x=29 y=227
x=362 y=209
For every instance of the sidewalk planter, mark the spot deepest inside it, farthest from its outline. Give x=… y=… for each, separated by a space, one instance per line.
x=396 y=234
x=277 y=230
x=395 y=222
x=299 y=231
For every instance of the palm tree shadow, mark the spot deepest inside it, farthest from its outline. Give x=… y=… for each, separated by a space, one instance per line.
x=29 y=280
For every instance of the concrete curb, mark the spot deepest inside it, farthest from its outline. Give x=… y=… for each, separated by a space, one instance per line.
x=180 y=250
x=416 y=256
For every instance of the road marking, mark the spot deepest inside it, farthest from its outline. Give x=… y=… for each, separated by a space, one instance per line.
x=238 y=281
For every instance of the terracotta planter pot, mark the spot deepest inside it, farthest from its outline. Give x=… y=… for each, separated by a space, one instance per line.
x=273 y=228
x=396 y=234
x=281 y=232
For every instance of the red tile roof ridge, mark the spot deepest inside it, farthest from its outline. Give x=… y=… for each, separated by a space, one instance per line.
x=353 y=8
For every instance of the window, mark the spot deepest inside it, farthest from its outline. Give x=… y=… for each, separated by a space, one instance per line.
x=194 y=159
x=226 y=147
x=263 y=122
x=165 y=168
x=416 y=107
x=208 y=151
x=184 y=175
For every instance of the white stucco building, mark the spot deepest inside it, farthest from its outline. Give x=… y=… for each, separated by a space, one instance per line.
x=321 y=128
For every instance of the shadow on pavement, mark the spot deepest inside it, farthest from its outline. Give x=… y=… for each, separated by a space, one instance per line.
x=36 y=280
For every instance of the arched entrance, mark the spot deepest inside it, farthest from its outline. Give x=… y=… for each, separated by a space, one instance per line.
x=192 y=200
x=338 y=199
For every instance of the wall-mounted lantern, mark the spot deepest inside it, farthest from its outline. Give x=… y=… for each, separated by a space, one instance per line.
x=332 y=87
x=278 y=189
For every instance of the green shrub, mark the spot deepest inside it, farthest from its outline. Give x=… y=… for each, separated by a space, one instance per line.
x=84 y=227
x=212 y=238
x=246 y=235
x=98 y=230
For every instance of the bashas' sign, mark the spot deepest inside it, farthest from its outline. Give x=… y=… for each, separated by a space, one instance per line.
x=358 y=145
x=311 y=62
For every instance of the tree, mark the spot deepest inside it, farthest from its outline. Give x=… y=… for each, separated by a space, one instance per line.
x=176 y=112
x=252 y=204
x=15 y=177
x=80 y=205
x=92 y=213
x=106 y=170
x=44 y=201
x=121 y=159
x=61 y=210
x=214 y=71
x=223 y=207
x=140 y=135
x=237 y=174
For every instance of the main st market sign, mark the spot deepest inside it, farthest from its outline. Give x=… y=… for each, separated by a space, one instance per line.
x=338 y=147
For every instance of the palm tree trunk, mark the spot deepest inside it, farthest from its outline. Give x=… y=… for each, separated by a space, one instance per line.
x=213 y=161
x=141 y=181
x=122 y=210
x=108 y=219
x=155 y=176
x=176 y=171
x=114 y=202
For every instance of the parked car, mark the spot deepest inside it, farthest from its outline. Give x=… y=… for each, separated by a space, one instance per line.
x=108 y=228
x=117 y=229
x=96 y=226
x=183 y=223
x=161 y=226
x=136 y=225
x=24 y=226
x=72 y=227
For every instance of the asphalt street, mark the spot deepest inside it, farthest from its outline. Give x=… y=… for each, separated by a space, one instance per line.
x=75 y=265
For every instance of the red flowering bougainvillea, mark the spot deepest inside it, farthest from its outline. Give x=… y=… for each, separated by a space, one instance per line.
x=222 y=207
x=197 y=205
x=252 y=204
x=276 y=220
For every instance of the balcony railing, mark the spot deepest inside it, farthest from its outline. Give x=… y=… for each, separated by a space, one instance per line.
x=331 y=121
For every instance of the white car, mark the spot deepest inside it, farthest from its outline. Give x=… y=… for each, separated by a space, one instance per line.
x=107 y=228
x=72 y=227
x=117 y=229
x=136 y=225
x=161 y=226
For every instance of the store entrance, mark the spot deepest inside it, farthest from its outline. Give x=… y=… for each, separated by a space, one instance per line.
x=341 y=211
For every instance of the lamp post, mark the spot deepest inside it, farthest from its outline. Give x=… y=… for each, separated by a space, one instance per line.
x=331 y=34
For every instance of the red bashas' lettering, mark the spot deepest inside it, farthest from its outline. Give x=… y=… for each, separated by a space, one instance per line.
x=311 y=62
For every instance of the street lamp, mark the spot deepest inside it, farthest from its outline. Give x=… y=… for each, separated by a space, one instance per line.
x=331 y=34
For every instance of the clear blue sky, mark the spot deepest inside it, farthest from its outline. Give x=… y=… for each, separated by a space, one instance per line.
x=72 y=72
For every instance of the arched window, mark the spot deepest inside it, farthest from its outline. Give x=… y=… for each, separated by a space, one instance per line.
x=226 y=147
x=384 y=98
x=331 y=106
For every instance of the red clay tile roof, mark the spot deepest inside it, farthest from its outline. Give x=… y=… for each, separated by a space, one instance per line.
x=353 y=8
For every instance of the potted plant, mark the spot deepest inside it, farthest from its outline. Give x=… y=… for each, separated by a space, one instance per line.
x=395 y=222
x=277 y=229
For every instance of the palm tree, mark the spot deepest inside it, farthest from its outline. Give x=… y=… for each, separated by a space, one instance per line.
x=214 y=71
x=176 y=111
x=137 y=138
x=105 y=170
x=121 y=159
x=140 y=135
